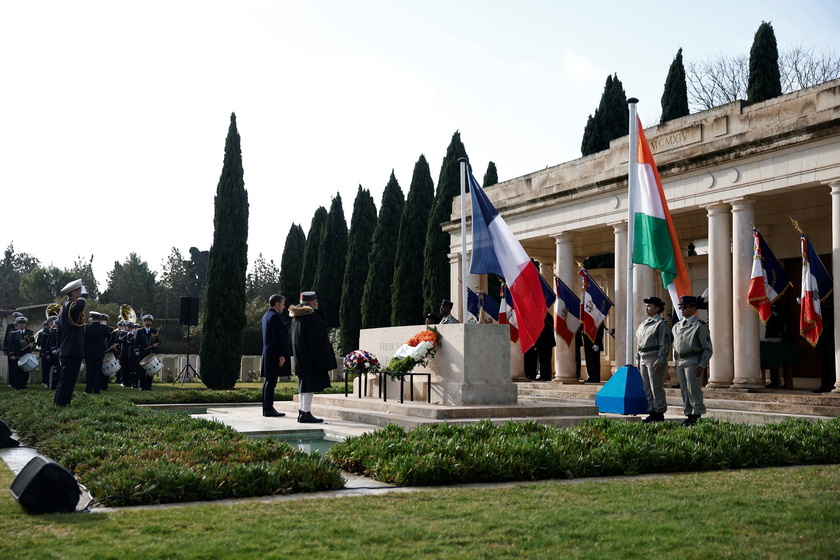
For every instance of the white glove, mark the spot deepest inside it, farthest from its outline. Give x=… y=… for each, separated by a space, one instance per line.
x=595 y=347
x=84 y=291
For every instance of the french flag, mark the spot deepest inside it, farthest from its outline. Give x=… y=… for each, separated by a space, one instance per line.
x=495 y=250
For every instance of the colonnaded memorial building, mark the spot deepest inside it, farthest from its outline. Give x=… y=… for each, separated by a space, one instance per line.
x=723 y=170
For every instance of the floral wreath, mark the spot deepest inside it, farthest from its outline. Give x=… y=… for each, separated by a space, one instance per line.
x=417 y=351
x=359 y=362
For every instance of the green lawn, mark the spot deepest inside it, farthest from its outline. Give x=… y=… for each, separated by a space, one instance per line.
x=762 y=514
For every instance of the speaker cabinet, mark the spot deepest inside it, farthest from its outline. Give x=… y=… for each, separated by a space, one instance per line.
x=44 y=486
x=189 y=310
x=6 y=439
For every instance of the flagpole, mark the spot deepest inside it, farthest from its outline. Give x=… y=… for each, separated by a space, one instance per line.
x=632 y=188
x=463 y=162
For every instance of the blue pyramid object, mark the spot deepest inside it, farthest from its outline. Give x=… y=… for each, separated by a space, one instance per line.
x=624 y=393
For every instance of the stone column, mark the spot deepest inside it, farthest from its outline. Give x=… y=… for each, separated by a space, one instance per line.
x=721 y=369
x=620 y=296
x=457 y=292
x=564 y=354
x=835 y=273
x=746 y=358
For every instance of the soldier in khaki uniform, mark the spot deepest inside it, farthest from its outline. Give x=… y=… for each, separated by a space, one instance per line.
x=654 y=344
x=692 y=351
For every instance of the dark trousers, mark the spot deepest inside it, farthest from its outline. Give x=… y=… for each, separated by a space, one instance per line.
x=593 y=363
x=67 y=378
x=531 y=359
x=269 y=384
x=17 y=377
x=93 y=375
x=144 y=380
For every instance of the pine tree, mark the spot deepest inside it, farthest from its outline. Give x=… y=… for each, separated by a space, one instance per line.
x=376 y=300
x=436 y=285
x=407 y=285
x=490 y=176
x=675 y=95
x=332 y=258
x=310 y=250
x=224 y=302
x=765 y=80
x=291 y=264
x=362 y=224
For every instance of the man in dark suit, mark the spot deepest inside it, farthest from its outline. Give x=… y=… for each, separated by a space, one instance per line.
x=71 y=352
x=541 y=352
x=276 y=354
x=145 y=342
x=97 y=339
x=314 y=355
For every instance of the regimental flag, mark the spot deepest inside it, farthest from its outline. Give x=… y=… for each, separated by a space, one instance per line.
x=594 y=305
x=489 y=309
x=473 y=307
x=655 y=239
x=496 y=250
x=566 y=312
x=816 y=286
x=768 y=280
x=507 y=314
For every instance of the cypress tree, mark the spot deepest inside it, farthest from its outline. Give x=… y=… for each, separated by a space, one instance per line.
x=376 y=300
x=362 y=224
x=611 y=120
x=490 y=176
x=291 y=264
x=311 y=248
x=436 y=285
x=765 y=79
x=407 y=285
x=675 y=95
x=494 y=284
x=589 y=141
x=224 y=301
x=614 y=113
x=332 y=258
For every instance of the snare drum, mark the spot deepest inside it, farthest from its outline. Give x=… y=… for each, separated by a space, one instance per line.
x=28 y=362
x=110 y=364
x=151 y=364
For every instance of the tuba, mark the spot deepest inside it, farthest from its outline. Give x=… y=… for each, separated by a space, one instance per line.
x=127 y=313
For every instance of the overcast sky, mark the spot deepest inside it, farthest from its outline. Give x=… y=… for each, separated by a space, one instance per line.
x=116 y=113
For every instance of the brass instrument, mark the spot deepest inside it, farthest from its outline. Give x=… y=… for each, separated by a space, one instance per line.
x=53 y=309
x=127 y=313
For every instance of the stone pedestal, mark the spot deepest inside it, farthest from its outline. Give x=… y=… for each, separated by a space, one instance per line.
x=472 y=365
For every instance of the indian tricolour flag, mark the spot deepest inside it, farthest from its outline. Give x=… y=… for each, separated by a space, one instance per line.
x=655 y=239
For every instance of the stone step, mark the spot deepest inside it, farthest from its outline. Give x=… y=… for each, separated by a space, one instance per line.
x=423 y=410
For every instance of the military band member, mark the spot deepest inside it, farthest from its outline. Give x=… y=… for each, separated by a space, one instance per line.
x=52 y=353
x=133 y=362
x=21 y=341
x=43 y=351
x=116 y=345
x=72 y=342
x=692 y=351
x=97 y=337
x=9 y=329
x=146 y=341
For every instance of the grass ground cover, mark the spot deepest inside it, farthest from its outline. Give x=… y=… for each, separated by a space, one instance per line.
x=775 y=513
x=458 y=453
x=128 y=454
